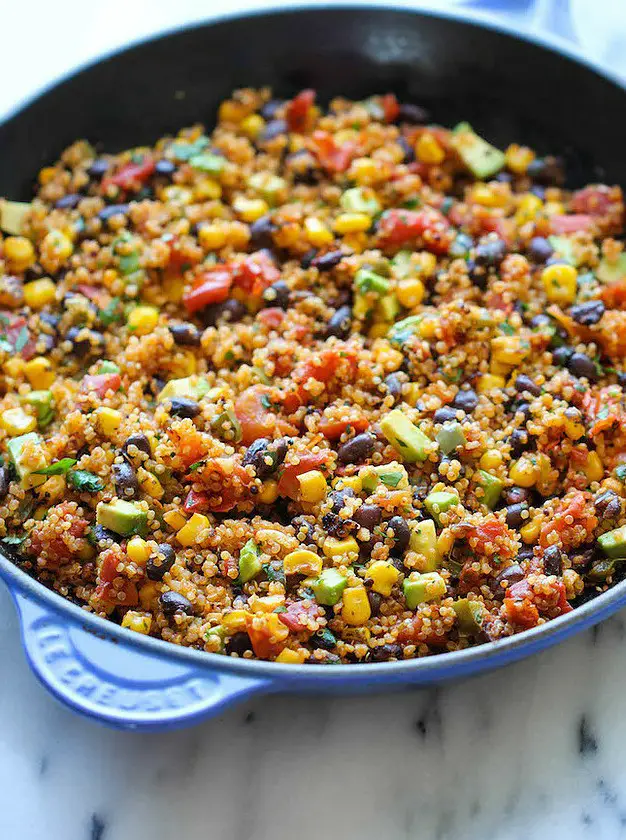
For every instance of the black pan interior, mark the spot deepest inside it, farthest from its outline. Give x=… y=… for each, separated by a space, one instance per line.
x=510 y=90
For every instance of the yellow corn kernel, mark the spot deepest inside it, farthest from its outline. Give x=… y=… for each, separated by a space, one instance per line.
x=108 y=420
x=426 y=262
x=491 y=459
x=488 y=196
x=518 y=158
x=351 y=481
x=173 y=287
x=384 y=576
x=174 y=519
x=356 y=606
x=148 y=594
x=47 y=174
x=530 y=531
x=39 y=293
x=207 y=189
x=363 y=171
x=138 y=622
x=232 y=111
x=412 y=392
x=138 y=550
x=317 y=233
x=378 y=330
x=554 y=208
x=524 y=472
x=252 y=125
x=250 y=209
x=303 y=562
x=428 y=150
x=490 y=382
x=291 y=657
x=338 y=548
x=58 y=244
x=212 y=237
x=410 y=292
x=267 y=604
x=313 y=487
x=19 y=253
x=573 y=423
x=15 y=367
x=52 y=489
x=268 y=493
x=528 y=209
x=177 y=195
x=235 y=621
x=143 y=319
x=150 y=484
x=352 y=223
x=560 y=282
x=189 y=533
x=593 y=469
x=16 y=422
x=509 y=350
x=39 y=373
x=427 y=328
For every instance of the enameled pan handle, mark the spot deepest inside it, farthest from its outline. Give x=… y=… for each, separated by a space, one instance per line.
x=117 y=684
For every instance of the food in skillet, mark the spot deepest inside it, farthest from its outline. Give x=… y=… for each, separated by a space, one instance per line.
x=323 y=387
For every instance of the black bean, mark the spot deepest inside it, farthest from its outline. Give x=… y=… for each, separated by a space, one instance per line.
x=277 y=295
x=357 y=450
x=165 y=167
x=260 y=451
x=138 y=440
x=547 y=171
x=185 y=335
x=518 y=442
x=324 y=262
x=125 y=478
x=504 y=178
x=271 y=108
x=539 y=249
x=231 y=311
x=85 y=341
x=526 y=552
x=4 y=482
x=608 y=505
x=409 y=151
x=261 y=232
x=383 y=653
x=562 y=355
x=99 y=533
x=401 y=534
x=525 y=383
x=98 y=168
x=338 y=498
x=157 y=565
x=299 y=523
x=512 y=574
x=113 y=210
x=172 y=603
x=490 y=253
x=539 y=321
x=184 y=407
x=307 y=259
x=238 y=643
x=514 y=517
x=552 y=561
x=68 y=202
x=49 y=320
x=375 y=600
x=394 y=387
x=515 y=495
x=368 y=516
x=335 y=526
x=587 y=313
x=466 y=401
x=477 y=274
x=273 y=129
x=582 y=366
x=414 y=114
x=340 y=323
x=445 y=414
x=323 y=639
x=521 y=407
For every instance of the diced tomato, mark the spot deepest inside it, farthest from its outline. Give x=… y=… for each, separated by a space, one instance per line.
x=495 y=533
x=257 y=416
x=333 y=429
x=229 y=565
x=100 y=383
x=397 y=227
x=190 y=445
x=14 y=330
x=267 y=634
x=298 y=613
x=323 y=366
x=212 y=286
x=603 y=408
x=297 y=110
x=573 y=223
x=570 y=514
x=594 y=200
x=288 y=484
x=614 y=295
x=256 y=273
x=332 y=157
x=272 y=317
x=58 y=544
x=196 y=502
x=390 y=106
x=130 y=177
x=519 y=609
x=111 y=585
x=182 y=258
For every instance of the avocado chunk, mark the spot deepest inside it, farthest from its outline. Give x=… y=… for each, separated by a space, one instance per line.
x=404 y=436
x=366 y=280
x=424 y=541
x=43 y=403
x=388 y=307
x=108 y=367
x=404 y=329
x=402 y=265
x=392 y=475
x=492 y=487
x=611 y=272
x=421 y=588
x=440 y=501
x=329 y=586
x=450 y=437
x=249 y=561
x=27 y=456
x=470 y=615
x=360 y=200
x=125 y=518
x=563 y=248
x=194 y=387
x=12 y=215
x=613 y=543
x=481 y=158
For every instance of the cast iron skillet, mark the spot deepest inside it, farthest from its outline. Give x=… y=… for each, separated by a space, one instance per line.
x=509 y=88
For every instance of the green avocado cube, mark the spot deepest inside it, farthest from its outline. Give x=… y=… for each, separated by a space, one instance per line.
x=492 y=487
x=611 y=272
x=423 y=540
x=366 y=280
x=421 y=588
x=108 y=367
x=249 y=562
x=613 y=543
x=450 y=437
x=404 y=329
x=208 y=162
x=43 y=403
x=411 y=442
x=360 y=200
x=563 y=248
x=329 y=586
x=470 y=615
x=440 y=501
x=392 y=475
x=402 y=265
x=27 y=455
x=481 y=158
x=388 y=307
x=194 y=387
x=122 y=517
x=12 y=215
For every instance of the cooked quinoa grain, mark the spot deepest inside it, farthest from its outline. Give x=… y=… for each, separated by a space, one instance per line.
x=324 y=387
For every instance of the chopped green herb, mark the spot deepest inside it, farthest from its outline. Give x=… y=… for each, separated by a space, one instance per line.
x=58 y=468
x=84 y=481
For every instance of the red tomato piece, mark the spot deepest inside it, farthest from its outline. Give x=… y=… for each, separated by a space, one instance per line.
x=614 y=295
x=521 y=612
x=492 y=531
x=390 y=106
x=14 y=330
x=196 y=502
x=332 y=157
x=131 y=176
x=101 y=383
x=333 y=429
x=574 y=223
x=298 y=613
x=288 y=484
x=297 y=110
x=256 y=273
x=257 y=416
x=324 y=365
x=267 y=634
x=594 y=200
x=212 y=286
x=397 y=227
x=272 y=317
x=111 y=585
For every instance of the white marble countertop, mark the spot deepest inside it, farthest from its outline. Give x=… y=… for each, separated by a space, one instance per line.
x=525 y=753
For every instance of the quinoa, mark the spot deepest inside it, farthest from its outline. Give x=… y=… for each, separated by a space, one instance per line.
x=318 y=386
